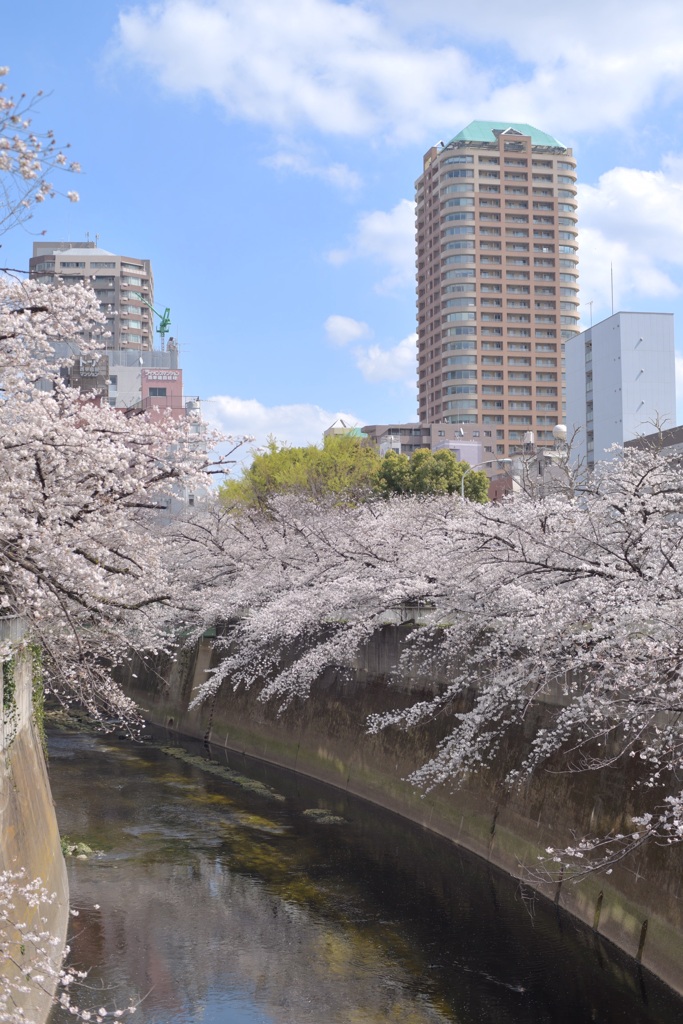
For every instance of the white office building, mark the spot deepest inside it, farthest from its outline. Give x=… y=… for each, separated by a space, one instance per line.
x=621 y=382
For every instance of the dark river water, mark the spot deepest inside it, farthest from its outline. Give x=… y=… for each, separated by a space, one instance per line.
x=229 y=892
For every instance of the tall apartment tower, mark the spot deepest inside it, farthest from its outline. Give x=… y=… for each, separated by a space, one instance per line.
x=497 y=281
x=123 y=285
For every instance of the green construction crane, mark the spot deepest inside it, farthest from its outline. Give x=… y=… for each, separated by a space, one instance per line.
x=164 y=319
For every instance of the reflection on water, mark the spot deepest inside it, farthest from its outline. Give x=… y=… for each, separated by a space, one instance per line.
x=229 y=892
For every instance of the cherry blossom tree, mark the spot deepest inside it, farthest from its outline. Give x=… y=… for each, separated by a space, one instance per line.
x=84 y=552
x=572 y=602
x=27 y=157
x=29 y=955
x=85 y=557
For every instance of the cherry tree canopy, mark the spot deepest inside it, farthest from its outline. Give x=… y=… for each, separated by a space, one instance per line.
x=575 y=602
x=83 y=555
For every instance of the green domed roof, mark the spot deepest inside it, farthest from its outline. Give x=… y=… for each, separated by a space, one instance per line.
x=483 y=131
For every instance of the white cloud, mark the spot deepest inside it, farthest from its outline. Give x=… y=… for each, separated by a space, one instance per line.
x=377 y=364
x=632 y=222
x=598 y=68
x=296 y=424
x=389 y=364
x=342 y=330
x=381 y=68
x=338 y=175
x=385 y=238
x=337 y=67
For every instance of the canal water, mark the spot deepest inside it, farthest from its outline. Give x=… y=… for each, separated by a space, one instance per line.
x=225 y=891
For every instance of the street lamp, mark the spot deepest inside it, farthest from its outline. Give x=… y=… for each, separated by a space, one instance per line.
x=500 y=462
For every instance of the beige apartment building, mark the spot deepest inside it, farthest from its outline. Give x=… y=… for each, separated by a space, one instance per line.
x=497 y=282
x=123 y=285
x=129 y=371
x=407 y=438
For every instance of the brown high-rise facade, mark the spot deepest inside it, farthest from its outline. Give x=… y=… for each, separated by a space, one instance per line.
x=497 y=282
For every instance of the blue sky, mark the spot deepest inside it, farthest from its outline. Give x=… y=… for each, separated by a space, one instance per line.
x=262 y=154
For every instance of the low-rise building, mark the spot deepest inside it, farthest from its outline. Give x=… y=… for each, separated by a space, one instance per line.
x=669 y=441
x=465 y=442
x=621 y=383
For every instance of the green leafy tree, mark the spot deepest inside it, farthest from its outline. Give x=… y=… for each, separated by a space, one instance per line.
x=427 y=472
x=354 y=471
x=343 y=466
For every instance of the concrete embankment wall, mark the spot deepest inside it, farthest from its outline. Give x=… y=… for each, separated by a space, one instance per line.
x=29 y=837
x=639 y=906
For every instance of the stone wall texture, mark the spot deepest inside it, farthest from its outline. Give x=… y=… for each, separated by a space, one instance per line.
x=29 y=837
